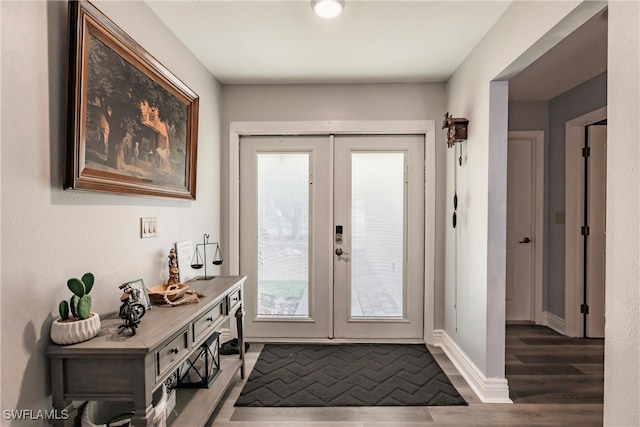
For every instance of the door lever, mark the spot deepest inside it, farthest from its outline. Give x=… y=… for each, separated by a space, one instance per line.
x=339 y=252
x=525 y=240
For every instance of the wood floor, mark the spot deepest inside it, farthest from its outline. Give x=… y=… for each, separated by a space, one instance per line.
x=564 y=377
x=543 y=366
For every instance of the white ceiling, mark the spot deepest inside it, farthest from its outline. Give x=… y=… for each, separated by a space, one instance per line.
x=579 y=57
x=270 y=41
x=373 y=41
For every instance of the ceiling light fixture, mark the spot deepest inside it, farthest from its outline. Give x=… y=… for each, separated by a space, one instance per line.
x=327 y=8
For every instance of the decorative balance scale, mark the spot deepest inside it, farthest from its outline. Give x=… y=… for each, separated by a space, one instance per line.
x=199 y=261
x=171 y=293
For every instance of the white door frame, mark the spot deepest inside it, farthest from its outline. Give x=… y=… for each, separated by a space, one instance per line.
x=574 y=201
x=395 y=127
x=537 y=169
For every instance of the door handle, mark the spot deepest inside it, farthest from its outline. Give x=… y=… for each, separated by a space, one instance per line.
x=525 y=240
x=339 y=252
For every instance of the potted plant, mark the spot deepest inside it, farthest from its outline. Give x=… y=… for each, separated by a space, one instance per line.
x=77 y=323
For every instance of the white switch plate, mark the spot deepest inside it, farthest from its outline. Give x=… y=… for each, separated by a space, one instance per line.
x=148 y=227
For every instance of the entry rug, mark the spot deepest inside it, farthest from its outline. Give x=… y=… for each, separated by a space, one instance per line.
x=296 y=375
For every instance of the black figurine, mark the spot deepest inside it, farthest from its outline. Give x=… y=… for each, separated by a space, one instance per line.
x=131 y=311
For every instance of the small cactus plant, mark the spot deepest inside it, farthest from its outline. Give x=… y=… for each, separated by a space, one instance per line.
x=79 y=305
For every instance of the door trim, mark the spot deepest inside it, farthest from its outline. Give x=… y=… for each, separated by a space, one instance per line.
x=537 y=137
x=394 y=127
x=574 y=200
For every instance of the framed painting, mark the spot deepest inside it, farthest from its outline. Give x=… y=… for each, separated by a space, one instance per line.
x=132 y=124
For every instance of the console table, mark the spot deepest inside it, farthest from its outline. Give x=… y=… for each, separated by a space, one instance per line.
x=119 y=367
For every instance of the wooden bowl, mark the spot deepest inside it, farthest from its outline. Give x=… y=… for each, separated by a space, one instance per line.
x=156 y=293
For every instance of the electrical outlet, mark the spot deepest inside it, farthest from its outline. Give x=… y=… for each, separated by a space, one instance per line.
x=148 y=227
x=558 y=217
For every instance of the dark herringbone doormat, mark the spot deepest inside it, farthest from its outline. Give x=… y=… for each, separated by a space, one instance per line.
x=347 y=375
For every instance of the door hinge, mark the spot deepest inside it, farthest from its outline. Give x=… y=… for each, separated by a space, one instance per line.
x=586 y=151
x=584 y=230
x=584 y=309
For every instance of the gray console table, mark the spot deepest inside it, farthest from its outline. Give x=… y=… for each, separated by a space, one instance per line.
x=118 y=367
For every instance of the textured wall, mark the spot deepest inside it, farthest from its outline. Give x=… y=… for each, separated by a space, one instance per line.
x=622 y=342
x=49 y=234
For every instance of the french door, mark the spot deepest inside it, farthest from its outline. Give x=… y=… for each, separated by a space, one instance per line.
x=332 y=236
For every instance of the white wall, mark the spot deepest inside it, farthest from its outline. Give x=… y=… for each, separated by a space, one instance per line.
x=524 y=32
x=48 y=234
x=344 y=102
x=622 y=331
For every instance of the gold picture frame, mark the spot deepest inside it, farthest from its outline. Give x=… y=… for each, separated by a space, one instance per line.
x=132 y=124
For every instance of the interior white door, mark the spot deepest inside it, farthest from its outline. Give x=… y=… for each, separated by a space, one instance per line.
x=379 y=237
x=285 y=237
x=596 y=196
x=520 y=241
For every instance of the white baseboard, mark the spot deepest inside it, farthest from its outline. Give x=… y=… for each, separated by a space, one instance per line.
x=554 y=322
x=488 y=390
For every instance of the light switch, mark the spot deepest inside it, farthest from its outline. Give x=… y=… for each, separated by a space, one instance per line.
x=148 y=227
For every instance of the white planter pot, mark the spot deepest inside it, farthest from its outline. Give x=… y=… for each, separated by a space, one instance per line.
x=71 y=332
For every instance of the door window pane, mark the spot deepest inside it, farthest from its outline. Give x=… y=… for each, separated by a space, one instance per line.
x=283 y=234
x=377 y=240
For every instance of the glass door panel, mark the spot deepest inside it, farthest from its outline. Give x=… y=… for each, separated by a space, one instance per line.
x=377 y=239
x=283 y=234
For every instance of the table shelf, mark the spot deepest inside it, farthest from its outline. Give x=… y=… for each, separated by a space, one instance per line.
x=195 y=406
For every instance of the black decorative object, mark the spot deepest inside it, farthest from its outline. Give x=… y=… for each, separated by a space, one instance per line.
x=455 y=207
x=456 y=132
x=201 y=370
x=199 y=261
x=131 y=311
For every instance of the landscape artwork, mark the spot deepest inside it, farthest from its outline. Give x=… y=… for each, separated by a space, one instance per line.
x=133 y=125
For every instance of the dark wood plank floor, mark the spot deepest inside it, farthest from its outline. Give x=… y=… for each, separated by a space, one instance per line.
x=543 y=366
x=545 y=372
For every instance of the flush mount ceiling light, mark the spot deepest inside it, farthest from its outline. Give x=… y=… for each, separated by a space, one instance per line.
x=327 y=8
